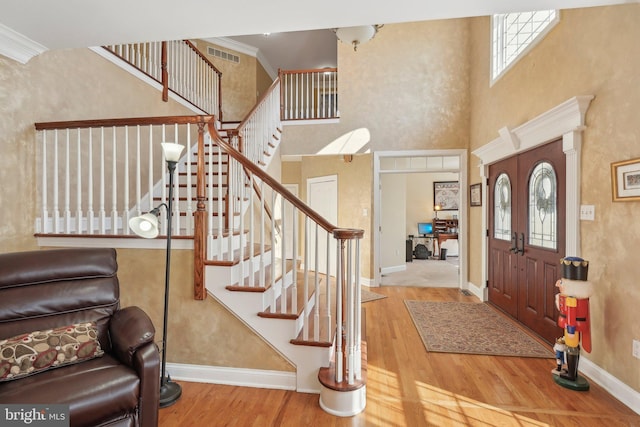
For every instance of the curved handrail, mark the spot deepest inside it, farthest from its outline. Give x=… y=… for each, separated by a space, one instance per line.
x=264 y=96
x=279 y=188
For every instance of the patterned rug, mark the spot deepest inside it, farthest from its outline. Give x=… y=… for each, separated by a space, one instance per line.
x=370 y=296
x=472 y=328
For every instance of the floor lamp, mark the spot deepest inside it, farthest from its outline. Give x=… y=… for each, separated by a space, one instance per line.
x=147 y=226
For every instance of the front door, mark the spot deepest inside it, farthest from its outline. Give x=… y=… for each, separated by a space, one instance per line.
x=527 y=236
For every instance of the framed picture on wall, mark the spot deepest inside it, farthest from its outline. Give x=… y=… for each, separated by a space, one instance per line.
x=625 y=180
x=447 y=195
x=475 y=195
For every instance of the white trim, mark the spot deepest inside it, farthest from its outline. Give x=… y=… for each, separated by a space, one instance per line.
x=112 y=242
x=462 y=212
x=17 y=46
x=566 y=120
x=278 y=380
x=394 y=269
x=246 y=49
x=481 y=292
x=611 y=384
x=312 y=121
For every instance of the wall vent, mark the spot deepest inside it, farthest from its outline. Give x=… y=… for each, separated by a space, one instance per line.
x=223 y=55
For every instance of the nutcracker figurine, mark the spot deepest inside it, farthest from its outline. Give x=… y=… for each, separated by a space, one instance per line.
x=573 y=304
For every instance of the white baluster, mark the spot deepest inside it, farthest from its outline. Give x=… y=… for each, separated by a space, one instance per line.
x=305 y=287
x=45 y=228
x=262 y=235
x=79 y=227
x=350 y=316
x=220 y=202
x=189 y=197
x=90 y=213
x=283 y=295
x=114 y=184
x=150 y=179
x=138 y=174
x=56 y=206
x=316 y=287
x=358 y=314
x=101 y=209
x=328 y=287
x=125 y=208
x=176 y=189
x=67 y=185
x=294 y=251
x=273 y=249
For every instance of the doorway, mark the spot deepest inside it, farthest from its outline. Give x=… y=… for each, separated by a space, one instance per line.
x=526 y=239
x=419 y=161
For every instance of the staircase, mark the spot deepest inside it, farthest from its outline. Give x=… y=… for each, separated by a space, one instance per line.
x=307 y=308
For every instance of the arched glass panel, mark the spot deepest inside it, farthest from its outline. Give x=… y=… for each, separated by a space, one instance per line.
x=543 y=206
x=502 y=208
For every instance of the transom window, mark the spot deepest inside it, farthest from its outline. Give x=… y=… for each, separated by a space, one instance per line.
x=514 y=33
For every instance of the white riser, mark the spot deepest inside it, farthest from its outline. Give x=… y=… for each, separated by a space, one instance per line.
x=277 y=332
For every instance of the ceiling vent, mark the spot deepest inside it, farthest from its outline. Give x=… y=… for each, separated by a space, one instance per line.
x=223 y=55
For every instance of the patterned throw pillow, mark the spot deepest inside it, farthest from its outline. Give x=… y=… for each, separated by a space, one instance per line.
x=39 y=351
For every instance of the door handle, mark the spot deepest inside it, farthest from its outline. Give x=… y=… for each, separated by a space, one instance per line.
x=514 y=243
x=520 y=250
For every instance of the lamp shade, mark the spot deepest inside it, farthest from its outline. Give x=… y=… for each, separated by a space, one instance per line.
x=145 y=225
x=172 y=151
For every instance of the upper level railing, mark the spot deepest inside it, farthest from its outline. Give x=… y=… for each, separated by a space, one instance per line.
x=309 y=94
x=180 y=67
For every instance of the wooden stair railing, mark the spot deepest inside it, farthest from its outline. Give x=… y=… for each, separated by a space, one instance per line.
x=348 y=368
x=179 y=67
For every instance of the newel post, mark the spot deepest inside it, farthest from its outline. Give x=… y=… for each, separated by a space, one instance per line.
x=348 y=302
x=200 y=222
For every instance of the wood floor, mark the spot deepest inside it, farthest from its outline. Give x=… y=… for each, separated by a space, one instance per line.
x=409 y=387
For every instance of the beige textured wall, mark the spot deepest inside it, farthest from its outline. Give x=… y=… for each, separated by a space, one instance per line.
x=408 y=87
x=239 y=91
x=78 y=84
x=592 y=51
x=355 y=180
x=263 y=80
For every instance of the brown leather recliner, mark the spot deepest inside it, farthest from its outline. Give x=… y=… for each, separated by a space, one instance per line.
x=47 y=289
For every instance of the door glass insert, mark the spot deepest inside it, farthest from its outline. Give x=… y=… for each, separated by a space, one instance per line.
x=543 y=208
x=502 y=208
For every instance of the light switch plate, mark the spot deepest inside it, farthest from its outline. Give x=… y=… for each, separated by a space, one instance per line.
x=587 y=212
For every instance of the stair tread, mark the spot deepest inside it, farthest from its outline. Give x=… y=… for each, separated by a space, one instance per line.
x=236 y=255
x=327 y=375
x=275 y=312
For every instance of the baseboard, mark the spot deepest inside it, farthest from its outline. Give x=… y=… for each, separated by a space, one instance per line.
x=280 y=380
x=364 y=281
x=481 y=293
x=394 y=269
x=611 y=384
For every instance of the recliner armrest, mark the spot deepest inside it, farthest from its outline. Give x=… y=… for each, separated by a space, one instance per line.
x=130 y=328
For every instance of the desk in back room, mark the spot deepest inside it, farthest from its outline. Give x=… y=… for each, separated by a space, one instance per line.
x=441 y=237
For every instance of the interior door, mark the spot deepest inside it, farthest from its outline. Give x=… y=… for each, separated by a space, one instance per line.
x=527 y=236
x=322 y=197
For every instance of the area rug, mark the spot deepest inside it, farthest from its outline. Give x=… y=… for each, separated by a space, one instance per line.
x=370 y=296
x=472 y=328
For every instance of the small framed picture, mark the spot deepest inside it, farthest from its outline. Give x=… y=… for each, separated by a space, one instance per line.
x=475 y=194
x=625 y=180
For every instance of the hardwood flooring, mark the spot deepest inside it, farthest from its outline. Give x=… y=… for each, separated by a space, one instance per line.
x=409 y=387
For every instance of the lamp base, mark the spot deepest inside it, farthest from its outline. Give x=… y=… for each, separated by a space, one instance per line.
x=170 y=392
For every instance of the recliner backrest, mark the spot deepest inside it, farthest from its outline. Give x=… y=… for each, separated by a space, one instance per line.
x=43 y=289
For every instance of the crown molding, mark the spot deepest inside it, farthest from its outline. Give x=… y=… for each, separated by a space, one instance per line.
x=18 y=47
x=562 y=119
x=246 y=49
